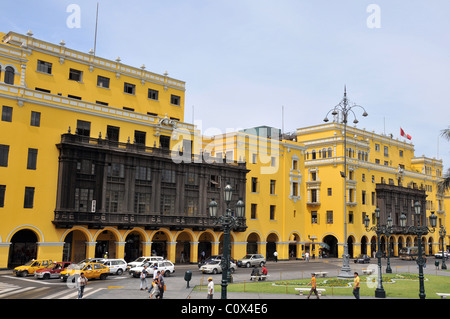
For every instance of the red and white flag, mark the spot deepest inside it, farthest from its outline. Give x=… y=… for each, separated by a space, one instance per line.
x=402 y=133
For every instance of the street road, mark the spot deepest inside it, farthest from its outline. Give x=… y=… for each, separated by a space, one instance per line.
x=127 y=287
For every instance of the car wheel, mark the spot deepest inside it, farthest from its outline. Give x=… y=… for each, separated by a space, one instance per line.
x=167 y=273
x=214 y=271
x=261 y=264
x=103 y=276
x=22 y=273
x=232 y=270
x=119 y=272
x=248 y=265
x=47 y=276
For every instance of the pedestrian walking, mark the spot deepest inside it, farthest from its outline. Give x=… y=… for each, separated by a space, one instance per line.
x=275 y=254
x=210 y=288
x=143 y=277
x=307 y=256
x=356 y=286
x=81 y=283
x=161 y=284
x=155 y=289
x=313 y=284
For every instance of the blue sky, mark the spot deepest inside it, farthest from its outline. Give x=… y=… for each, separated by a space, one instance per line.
x=245 y=60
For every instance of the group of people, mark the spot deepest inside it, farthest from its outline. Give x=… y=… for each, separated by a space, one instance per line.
x=158 y=285
x=313 y=283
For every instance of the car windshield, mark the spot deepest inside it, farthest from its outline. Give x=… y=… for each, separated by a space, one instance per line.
x=216 y=262
x=29 y=263
x=247 y=257
x=140 y=260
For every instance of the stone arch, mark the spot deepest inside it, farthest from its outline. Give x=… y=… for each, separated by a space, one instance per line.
x=253 y=239
x=184 y=241
x=106 y=242
x=271 y=244
x=75 y=248
x=23 y=246
x=133 y=242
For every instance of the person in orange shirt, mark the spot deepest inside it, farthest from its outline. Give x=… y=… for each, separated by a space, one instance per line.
x=313 y=286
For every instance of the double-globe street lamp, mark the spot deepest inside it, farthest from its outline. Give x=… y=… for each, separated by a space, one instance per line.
x=342 y=110
x=380 y=230
x=228 y=222
x=419 y=231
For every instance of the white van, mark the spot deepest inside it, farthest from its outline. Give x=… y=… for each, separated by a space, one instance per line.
x=116 y=266
x=141 y=260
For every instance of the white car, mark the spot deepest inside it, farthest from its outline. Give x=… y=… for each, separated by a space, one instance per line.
x=141 y=260
x=165 y=265
x=116 y=266
x=439 y=254
x=214 y=267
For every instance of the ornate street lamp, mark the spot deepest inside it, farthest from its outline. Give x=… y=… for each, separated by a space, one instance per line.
x=228 y=222
x=419 y=231
x=342 y=110
x=442 y=233
x=380 y=230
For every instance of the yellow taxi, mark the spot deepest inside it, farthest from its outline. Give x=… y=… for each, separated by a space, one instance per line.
x=30 y=267
x=90 y=270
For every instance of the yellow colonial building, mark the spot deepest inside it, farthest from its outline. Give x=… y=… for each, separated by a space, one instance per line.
x=95 y=158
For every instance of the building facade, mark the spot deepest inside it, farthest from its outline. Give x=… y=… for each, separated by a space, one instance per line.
x=95 y=158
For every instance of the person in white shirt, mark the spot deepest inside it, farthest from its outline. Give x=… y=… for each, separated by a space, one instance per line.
x=81 y=283
x=210 y=288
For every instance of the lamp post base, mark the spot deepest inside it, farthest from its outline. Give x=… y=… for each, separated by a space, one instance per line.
x=380 y=293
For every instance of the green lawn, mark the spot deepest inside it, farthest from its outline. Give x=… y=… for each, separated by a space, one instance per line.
x=395 y=285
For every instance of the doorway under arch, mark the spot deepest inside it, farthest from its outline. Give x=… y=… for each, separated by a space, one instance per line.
x=23 y=248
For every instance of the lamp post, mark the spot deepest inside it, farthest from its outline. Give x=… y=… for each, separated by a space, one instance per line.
x=419 y=231
x=379 y=230
x=228 y=222
x=343 y=109
x=442 y=233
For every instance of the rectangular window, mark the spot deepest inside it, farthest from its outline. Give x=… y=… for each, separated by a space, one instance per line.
x=103 y=82
x=112 y=201
x=175 y=99
x=74 y=97
x=363 y=199
x=139 y=137
x=164 y=142
x=153 y=94
x=272 y=186
x=330 y=191
x=167 y=204
x=83 y=199
x=116 y=170
x=83 y=128
x=295 y=189
x=75 y=75
x=253 y=211
x=7 y=113
x=254 y=184
x=313 y=195
x=45 y=67
x=4 y=152
x=129 y=88
x=112 y=133
x=141 y=202
x=143 y=173
x=168 y=176
x=2 y=195
x=29 y=197
x=329 y=217
x=32 y=158
x=272 y=212
x=314 y=217
x=386 y=151
x=35 y=119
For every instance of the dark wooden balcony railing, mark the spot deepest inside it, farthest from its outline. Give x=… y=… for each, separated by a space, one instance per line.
x=66 y=219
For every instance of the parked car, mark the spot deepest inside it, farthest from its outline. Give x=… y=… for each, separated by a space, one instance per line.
x=52 y=271
x=439 y=254
x=165 y=265
x=251 y=260
x=92 y=260
x=141 y=260
x=209 y=260
x=116 y=266
x=362 y=259
x=214 y=267
x=90 y=270
x=30 y=267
